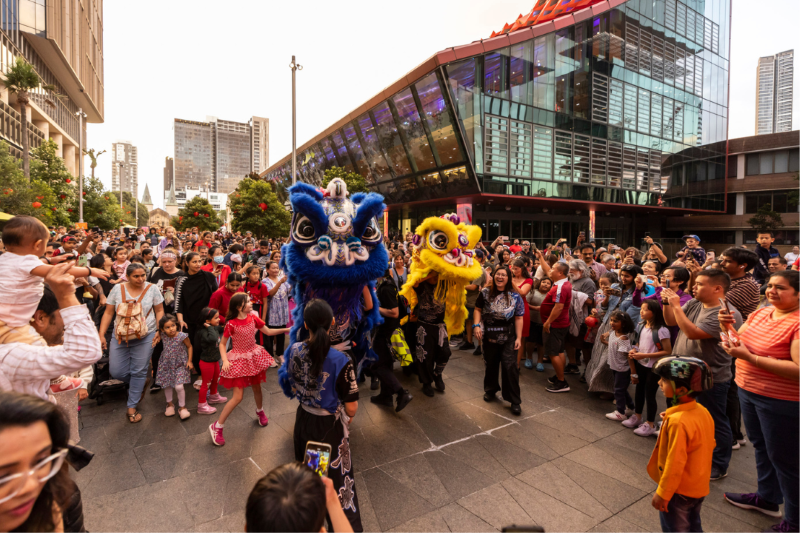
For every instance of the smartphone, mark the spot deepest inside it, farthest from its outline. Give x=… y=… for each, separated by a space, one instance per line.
x=583 y=234
x=96 y=229
x=732 y=334
x=711 y=255
x=666 y=286
x=83 y=261
x=616 y=292
x=317 y=457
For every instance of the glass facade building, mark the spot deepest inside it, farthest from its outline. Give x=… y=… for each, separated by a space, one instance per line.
x=618 y=104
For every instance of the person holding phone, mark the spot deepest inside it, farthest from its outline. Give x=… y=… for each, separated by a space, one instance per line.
x=323 y=380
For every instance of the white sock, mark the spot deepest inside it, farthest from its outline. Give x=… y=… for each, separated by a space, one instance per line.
x=259 y=410
x=181 y=394
x=220 y=425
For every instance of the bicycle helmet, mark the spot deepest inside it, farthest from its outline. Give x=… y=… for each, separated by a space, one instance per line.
x=682 y=371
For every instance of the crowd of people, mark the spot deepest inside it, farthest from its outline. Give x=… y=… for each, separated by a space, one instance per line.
x=718 y=335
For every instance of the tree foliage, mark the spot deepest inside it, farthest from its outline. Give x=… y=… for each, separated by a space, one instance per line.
x=205 y=218
x=255 y=207
x=18 y=196
x=100 y=207
x=766 y=220
x=50 y=169
x=354 y=181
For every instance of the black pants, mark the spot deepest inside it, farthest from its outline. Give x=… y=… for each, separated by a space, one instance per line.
x=329 y=430
x=157 y=349
x=275 y=341
x=733 y=409
x=383 y=368
x=622 y=380
x=410 y=333
x=431 y=357
x=501 y=359
x=193 y=329
x=646 y=391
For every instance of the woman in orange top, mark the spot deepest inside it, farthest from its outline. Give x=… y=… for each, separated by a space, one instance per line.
x=768 y=376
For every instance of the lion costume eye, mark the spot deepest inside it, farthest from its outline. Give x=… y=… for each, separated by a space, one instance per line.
x=371 y=233
x=438 y=240
x=303 y=230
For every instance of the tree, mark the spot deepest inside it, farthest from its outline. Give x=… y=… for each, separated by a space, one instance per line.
x=93 y=156
x=20 y=79
x=47 y=167
x=255 y=207
x=766 y=220
x=354 y=181
x=20 y=196
x=100 y=207
x=198 y=212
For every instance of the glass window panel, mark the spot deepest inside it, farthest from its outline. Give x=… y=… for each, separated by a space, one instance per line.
x=465 y=91
x=698 y=29
x=494 y=66
x=516 y=229
x=656 y=106
x=668 y=120
x=599 y=37
x=415 y=135
x=779 y=202
x=496 y=152
x=527 y=229
x=645 y=52
x=616 y=37
x=680 y=68
x=520 y=73
x=358 y=154
x=599 y=149
x=599 y=98
x=654 y=176
x=678 y=122
x=581 y=158
x=631 y=46
x=505 y=228
x=565 y=66
x=631 y=107
x=642 y=169
x=615 y=103
x=794 y=161
x=372 y=150
x=330 y=156
x=437 y=116
x=750 y=203
x=688 y=62
x=669 y=17
x=542 y=153
x=494 y=230
x=680 y=21
x=341 y=151
x=644 y=112
x=690 y=24
x=563 y=156
x=582 y=92
x=781 y=161
x=658 y=58
x=614 y=164
x=765 y=166
x=543 y=72
x=520 y=149
x=628 y=166
x=390 y=139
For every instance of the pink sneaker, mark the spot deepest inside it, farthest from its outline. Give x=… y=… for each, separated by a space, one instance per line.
x=262 y=418
x=217 y=398
x=216 y=434
x=64 y=383
x=645 y=430
x=205 y=409
x=633 y=422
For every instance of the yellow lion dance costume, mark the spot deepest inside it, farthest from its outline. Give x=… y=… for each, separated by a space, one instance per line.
x=445 y=246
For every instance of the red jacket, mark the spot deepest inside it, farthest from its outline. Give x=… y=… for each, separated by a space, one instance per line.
x=220 y=300
x=222 y=279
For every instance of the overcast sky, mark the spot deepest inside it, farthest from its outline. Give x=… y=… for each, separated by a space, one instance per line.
x=191 y=59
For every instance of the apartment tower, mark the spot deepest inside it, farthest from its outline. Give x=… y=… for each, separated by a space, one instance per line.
x=774 y=93
x=125 y=167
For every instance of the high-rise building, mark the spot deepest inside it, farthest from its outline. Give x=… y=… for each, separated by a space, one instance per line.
x=125 y=167
x=217 y=154
x=63 y=41
x=259 y=144
x=774 y=88
x=169 y=173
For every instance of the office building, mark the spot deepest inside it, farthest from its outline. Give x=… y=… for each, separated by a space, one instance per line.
x=774 y=88
x=591 y=115
x=125 y=167
x=169 y=172
x=761 y=170
x=217 y=154
x=63 y=41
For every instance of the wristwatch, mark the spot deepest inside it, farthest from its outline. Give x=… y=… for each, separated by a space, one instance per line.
x=475 y=326
x=635 y=376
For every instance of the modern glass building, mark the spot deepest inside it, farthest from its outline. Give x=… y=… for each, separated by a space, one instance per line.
x=585 y=115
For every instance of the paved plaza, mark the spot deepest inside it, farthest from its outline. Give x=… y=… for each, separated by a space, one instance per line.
x=448 y=463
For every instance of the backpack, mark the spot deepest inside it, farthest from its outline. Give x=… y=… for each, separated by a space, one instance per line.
x=637 y=333
x=130 y=320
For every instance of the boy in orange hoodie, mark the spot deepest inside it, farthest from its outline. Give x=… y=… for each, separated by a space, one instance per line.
x=681 y=460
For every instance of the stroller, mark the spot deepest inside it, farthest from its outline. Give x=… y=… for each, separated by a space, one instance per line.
x=102 y=382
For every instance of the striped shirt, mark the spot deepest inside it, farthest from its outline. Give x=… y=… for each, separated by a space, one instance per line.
x=766 y=337
x=29 y=369
x=743 y=294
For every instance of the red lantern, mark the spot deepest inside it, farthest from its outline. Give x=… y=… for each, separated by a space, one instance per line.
x=37 y=205
x=106 y=197
x=591 y=321
x=84 y=193
x=263 y=206
x=99 y=212
x=40 y=197
x=53 y=208
x=69 y=180
x=196 y=214
x=180 y=219
x=63 y=196
x=8 y=191
x=70 y=210
x=206 y=215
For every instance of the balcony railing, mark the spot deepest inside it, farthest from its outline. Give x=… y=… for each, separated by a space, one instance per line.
x=11 y=130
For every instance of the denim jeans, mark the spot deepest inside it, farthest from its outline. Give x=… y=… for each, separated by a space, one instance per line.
x=683 y=515
x=716 y=401
x=130 y=362
x=772 y=427
x=622 y=380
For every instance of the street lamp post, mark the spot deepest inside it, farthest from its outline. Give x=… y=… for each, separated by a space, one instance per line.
x=121 y=165
x=295 y=67
x=81 y=116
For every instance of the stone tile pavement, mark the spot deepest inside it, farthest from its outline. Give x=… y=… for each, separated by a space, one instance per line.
x=448 y=463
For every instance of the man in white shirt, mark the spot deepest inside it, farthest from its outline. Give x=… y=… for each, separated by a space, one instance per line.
x=66 y=326
x=792 y=256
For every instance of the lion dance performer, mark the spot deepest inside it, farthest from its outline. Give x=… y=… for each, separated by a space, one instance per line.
x=442 y=265
x=335 y=255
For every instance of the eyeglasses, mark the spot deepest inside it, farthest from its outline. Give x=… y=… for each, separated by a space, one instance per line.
x=11 y=485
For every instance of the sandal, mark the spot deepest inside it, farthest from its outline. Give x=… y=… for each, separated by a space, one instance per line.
x=132 y=417
x=183 y=412
x=170 y=410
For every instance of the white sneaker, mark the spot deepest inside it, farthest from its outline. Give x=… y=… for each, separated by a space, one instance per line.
x=645 y=430
x=616 y=416
x=197 y=384
x=633 y=422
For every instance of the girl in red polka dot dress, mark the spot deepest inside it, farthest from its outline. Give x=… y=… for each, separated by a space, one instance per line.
x=245 y=365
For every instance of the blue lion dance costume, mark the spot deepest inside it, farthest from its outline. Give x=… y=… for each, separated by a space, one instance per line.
x=336 y=250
